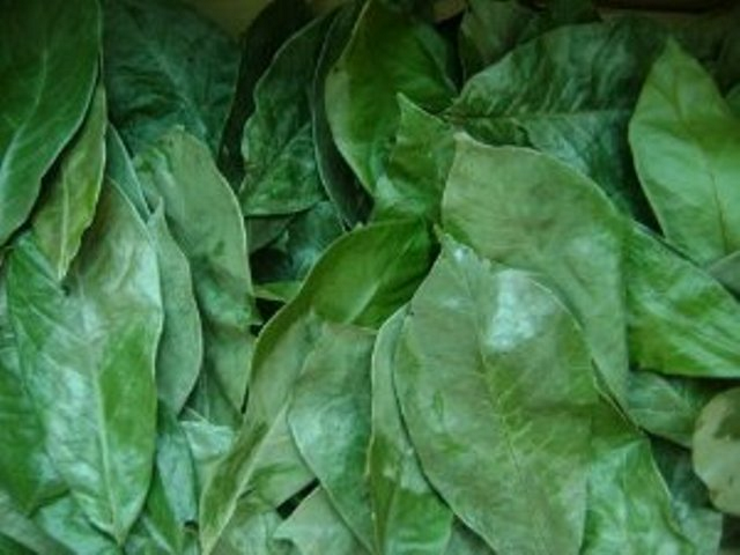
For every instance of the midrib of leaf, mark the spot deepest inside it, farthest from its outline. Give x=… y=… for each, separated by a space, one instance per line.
x=540 y=518
x=99 y=412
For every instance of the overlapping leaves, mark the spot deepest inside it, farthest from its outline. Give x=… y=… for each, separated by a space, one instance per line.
x=371 y=290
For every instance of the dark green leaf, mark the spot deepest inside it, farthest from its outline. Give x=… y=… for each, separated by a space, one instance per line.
x=690 y=498
x=88 y=350
x=270 y=29
x=281 y=176
x=686 y=144
x=389 y=53
x=264 y=230
x=10 y=547
x=164 y=66
x=490 y=29
x=339 y=182
x=733 y=100
x=569 y=93
x=48 y=68
x=292 y=255
x=488 y=359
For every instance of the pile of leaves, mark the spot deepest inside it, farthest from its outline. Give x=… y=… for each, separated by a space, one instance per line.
x=373 y=280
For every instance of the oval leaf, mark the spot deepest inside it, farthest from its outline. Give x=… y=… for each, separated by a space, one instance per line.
x=88 y=351
x=495 y=382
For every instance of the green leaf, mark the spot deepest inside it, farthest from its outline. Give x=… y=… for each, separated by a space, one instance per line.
x=315 y=528
x=717 y=450
x=166 y=66
x=464 y=542
x=530 y=211
x=281 y=472
x=251 y=532
x=270 y=29
x=492 y=372
x=119 y=168
x=329 y=418
x=180 y=353
x=690 y=499
x=667 y=406
x=733 y=100
x=205 y=220
x=681 y=321
x=361 y=280
x=491 y=29
x=219 y=498
x=172 y=502
x=417 y=167
x=10 y=547
x=281 y=176
x=264 y=230
x=48 y=68
x=64 y=520
x=26 y=472
x=727 y=271
x=569 y=93
x=629 y=506
x=339 y=182
x=69 y=207
x=295 y=251
x=233 y=16
x=388 y=53
x=23 y=531
x=208 y=444
x=87 y=350
x=408 y=515
x=686 y=144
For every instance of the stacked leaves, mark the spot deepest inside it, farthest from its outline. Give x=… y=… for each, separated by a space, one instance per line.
x=365 y=283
